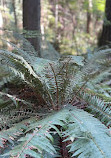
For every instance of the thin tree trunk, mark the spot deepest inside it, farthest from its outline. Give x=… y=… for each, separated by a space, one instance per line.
x=88 y=27
x=56 y=14
x=31 y=21
x=88 y=22
x=14 y=10
x=1 y=24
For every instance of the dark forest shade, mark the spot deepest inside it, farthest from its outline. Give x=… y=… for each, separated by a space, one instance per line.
x=105 y=38
x=31 y=20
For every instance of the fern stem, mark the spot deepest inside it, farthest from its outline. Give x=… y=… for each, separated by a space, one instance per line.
x=98 y=146
x=53 y=106
x=79 y=90
x=57 y=89
x=33 y=135
x=64 y=64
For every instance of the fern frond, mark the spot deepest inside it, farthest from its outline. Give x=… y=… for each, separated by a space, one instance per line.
x=86 y=76
x=88 y=135
x=101 y=109
x=14 y=99
x=13 y=133
x=38 y=142
x=5 y=76
x=69 y=79
x=24 y=70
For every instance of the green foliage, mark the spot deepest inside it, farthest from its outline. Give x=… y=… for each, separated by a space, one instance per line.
x=77 y=127
x=99 y=108
x=62 y=83
x=86 y=135
x=97 y=5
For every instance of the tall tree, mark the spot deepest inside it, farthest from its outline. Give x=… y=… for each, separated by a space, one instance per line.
x=31 y=20
x=105 y=37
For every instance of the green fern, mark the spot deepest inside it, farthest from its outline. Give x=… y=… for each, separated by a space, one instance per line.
x=86 y=133
x=101 y=109
x=62 y=84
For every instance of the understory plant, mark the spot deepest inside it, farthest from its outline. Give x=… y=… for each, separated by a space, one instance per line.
x=74 y=117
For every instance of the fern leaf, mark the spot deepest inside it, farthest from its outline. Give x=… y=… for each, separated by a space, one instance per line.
x=37 y=140
x=99 y=108
x=19 y=64
x=88 y=135
x=12 y=134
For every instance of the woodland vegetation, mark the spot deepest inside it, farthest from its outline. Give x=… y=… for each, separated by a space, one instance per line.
x=55 y=79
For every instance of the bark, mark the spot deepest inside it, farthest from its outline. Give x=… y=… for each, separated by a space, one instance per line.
x=105 y=37
x=31 y=21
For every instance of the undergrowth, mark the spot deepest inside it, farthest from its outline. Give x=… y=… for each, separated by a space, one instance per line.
x=71 y=104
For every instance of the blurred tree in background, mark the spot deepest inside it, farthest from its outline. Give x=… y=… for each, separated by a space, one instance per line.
x=71 y=26
x=31 y=20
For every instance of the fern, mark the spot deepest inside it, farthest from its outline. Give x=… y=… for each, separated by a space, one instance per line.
x=21 y=68
x=85 y=136
x=62 y=84
x=98 y=107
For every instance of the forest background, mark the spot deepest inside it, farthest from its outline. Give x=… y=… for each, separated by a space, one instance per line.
x=72 y=27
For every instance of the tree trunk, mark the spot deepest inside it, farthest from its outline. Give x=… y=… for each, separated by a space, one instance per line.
x=31 y=21
x=14 y=10
x=56 y=14
x=1 y=24
x=88 y=22
x=89 y=7
x=105 y=37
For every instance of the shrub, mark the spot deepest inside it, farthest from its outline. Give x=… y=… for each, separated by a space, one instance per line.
x=73 y=88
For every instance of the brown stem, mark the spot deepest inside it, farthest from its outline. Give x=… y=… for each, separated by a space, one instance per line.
x=64 y=150
x=64 y=64
x=57 y=89
x=79 y=91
